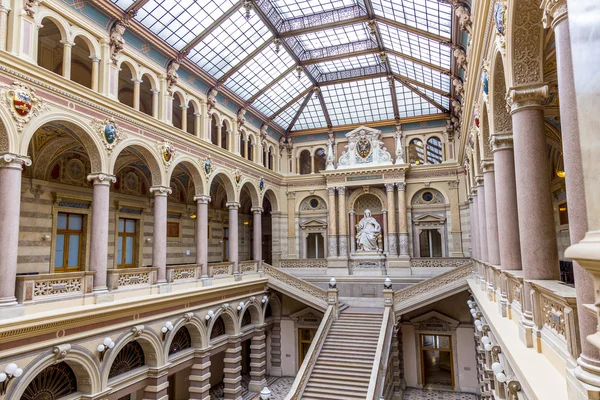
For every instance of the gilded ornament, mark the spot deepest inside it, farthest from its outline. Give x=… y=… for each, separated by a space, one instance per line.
x=363 y=147
x=238 y=176
x=23 y=103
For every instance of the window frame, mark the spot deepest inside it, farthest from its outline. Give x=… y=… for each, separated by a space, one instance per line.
x=125 y=235
x=67 y=237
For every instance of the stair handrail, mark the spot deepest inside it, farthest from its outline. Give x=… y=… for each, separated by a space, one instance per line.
x=310 y=359
x=378 y=372
x=302 y=287
x=447 y=278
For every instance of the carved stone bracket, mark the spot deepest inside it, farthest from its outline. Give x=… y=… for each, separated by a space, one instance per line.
x=61 y=351
x=137 y=330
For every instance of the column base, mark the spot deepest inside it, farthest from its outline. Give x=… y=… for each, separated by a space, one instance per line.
x=257 y=386
x=206 y=281
x=163 y=287
x=237 y=277
x=582 y=382
x=526 y=331
x=12 y=310
x=275 y=371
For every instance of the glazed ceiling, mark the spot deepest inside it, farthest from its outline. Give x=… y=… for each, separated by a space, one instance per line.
x=307 y=64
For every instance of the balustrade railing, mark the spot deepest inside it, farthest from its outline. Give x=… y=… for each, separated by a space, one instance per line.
x=121 y=278
x=297 y=286
x=382 y=354
x=42 y=287
x=304 y=263
x=182 y=273
x=438 y=262
x=220 y=269
x=248 y=267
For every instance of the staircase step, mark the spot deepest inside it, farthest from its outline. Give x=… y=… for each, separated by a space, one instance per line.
x=360 y=394
x=346 y=361
x=346 y=379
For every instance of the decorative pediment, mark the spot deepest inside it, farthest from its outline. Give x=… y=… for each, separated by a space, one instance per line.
x=434 y=321
x=307 y=317
x=429 y=220
x=313 y=225
x=364 y=148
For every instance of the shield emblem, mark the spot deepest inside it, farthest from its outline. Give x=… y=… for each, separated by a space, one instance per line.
x=207 y=166
x=238 y=176
x=22 y=102
x=363 y=147
x=110 y=132
x=261 y=184
x=167 y=152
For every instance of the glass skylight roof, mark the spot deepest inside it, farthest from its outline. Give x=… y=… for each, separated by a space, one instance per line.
x=312 y=116
x=358 y=101
x=415 y=45
x=224 y=50
x=429 y=15
x=301 y=8
x=259 y=72
x=229 y=43
x=178 y=22
x=281 y=93
x=332 y=37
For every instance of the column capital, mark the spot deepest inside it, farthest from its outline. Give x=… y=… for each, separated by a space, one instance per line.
x=331 y=191
x=389 y=187
x=384 y=210
x=470 y=198
x=232 y=205
x=453 y=184
x=473 y=191
x=137 y=81
x=527 y=97
x=257 y=210
x=66 y=43
x=160 y=190
x=352 y=212
x=155 y=91
x=95 y=59
x=479 y=180
x=10 y=160
x=4 y=8
x=341 y=190
x=401 y=186
x=291 y=195
x=202 y=199
x=487 y=166
x=501 y=142
x=101 y=179
x=554 y=12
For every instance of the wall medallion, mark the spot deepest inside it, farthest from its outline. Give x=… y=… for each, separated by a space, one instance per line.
x=208 y=167
x=23 y=103
x=363 y=147
x=261 y=184
x=167 y=152
x=484 y=82
x=238 y=176
x=109 y=131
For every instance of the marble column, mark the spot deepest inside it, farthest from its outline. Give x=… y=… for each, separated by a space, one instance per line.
x=352 y=224
x=384 y=229
x=475 y=224
x=200 y=378
x=402 y=222
x=491 y=216
x=4 y=10
x=197 y=124
x=158 y=385
x=159 y=234
x=391 y=220
x=291 y=219
x=455 y=229
x=258 y=361
x=312 y=163
x=472 y=228
x=506 y=200
x=95 y=73
x=155 y=93
x=257 y=235
x=99 y=228
x=483 y=250
x=232 y=379
x=556 y=15
x=202 y=234
x=66 y=67
x=184 y=117
x=11 y=167
x=331 y=222
x=343 y=222
x=233 y=236
x=136 y=93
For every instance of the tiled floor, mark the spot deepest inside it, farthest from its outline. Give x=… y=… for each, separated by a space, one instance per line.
x=424 y=394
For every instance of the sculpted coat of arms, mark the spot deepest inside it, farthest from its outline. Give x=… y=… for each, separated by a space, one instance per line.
x=364 y=148
x=23 y=103
x=109 y=132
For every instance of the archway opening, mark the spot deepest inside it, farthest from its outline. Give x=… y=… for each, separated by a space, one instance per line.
x=125 y=91
x=305 y=162
x=191 y=118
x=54 y=382
x=81 y=63
x=176 y=114
x=320 y=160
x=146 y=97
x=214 y=134
x=50 y=50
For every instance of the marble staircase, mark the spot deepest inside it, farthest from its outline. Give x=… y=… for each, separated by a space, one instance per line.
x=344 y=365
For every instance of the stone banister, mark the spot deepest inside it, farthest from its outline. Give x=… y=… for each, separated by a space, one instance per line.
x=382 y=355
x=297 y=288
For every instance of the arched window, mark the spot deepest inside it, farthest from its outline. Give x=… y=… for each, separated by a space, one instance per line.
x=320 y=160
x=181 y=341
x=242 y=150
x=214 y=139
x=250 y=148
x=54 y=382
x=270 y=158
x=81 y=63
x=434 y=151
x=416 y=152
x=218 y=328
x=304 y=161
x=146 y=98
x=125 y=91
x=246 y=319
x=176 y=112
x=50 y=48
x=191 y=119
x=224 y=134
x=129 y=358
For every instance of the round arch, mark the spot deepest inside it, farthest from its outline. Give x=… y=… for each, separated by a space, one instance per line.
x=434 y=189
x=131 y=64
x=379 y=193
x=197 y=330
x=63 y=26
x=276 y=307
x=91 y=41
x=249 y=184
x=9 y=139
x=149 y=155
x=270 y=195
x=256 y=314
x=223 y=176
x=230 y=319
x=194 y=168
x=152 y=79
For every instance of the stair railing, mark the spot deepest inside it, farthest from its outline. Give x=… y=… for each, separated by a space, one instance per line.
x=311 y=356
x=382 y=355
x=297 y=287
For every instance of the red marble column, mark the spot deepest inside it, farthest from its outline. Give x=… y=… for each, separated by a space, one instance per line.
x=202 y=234
x=233 y=236
x=491 y=216
x=483 y=250
x=159 y=235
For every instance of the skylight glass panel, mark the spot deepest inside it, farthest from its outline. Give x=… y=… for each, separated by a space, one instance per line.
x=334 y=36
x=123 y=4
x=348 y=63
x=438 y=98
x=415 y=45
x=432 y=16
x=229 y=43
x=312 y=116
x=178 y=22
x=281 y=93
x=411 y=104
x=301 y=8
x=286 y=116
x=359 y=101
x=259 y=72
x=419 y=73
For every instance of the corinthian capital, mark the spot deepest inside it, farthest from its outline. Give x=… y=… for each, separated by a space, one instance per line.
x=526 y=98
x=555 y=11
x=101 y=179
x=161 y=190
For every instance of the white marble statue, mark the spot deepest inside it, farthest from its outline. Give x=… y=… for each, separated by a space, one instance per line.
x=367 y=233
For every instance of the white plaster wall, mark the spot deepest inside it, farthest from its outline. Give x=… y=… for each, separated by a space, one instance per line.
x=467 y=369
x=410 y=356
x=289 y=365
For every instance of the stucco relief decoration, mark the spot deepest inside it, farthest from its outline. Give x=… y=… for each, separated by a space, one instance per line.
x=167 y=152
x=109 y=132
x=117 y=43
x=241 y=117
x=464 y=17
x=263 y=135
x=238 y=176
x=330 y=151
x=211 y=100
x=458 y=86
x=500 y=22
x=364 y=148
x=29 y=7
x=23 y=103
x=461 y=57
x=527 y=61
x=399 y=145
x=172 y=76
x=208 y=168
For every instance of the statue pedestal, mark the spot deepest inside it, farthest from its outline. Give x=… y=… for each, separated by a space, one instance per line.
x=367 y=263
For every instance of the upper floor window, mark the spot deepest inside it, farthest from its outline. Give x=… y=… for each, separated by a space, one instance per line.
x=126 y=243
x=320 y=160
x=434 y=151
x=305 y=164
x=416 y=153
x=69 y=242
